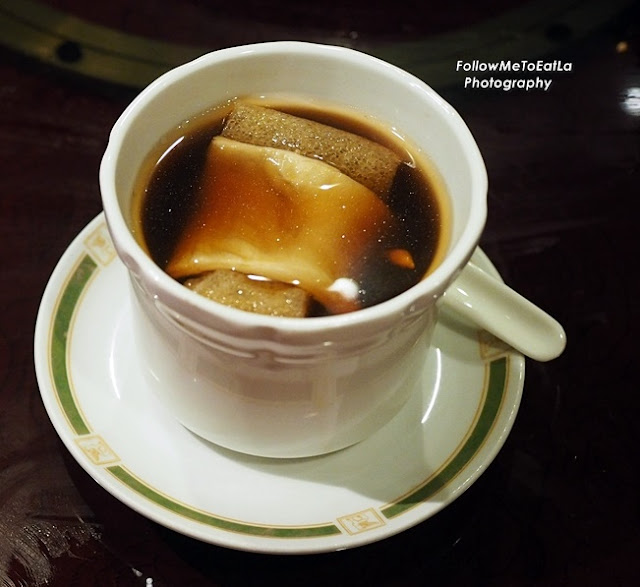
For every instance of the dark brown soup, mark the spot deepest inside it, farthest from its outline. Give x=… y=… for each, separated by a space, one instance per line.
x=169 y=195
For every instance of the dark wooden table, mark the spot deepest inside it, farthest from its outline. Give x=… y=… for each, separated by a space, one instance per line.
x=560 y=505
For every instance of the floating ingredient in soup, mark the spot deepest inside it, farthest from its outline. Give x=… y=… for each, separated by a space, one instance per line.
x=248 y=293
x=282 y=216
x=365 y=161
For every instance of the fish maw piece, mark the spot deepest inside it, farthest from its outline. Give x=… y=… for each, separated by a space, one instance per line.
x=243 y=293
x=366 y=161
x=281 y=216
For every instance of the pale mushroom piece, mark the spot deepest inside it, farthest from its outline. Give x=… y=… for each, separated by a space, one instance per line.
x=282 y=216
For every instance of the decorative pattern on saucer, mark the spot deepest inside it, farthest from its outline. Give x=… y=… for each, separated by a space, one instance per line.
x=97 y=450
x=361 y=521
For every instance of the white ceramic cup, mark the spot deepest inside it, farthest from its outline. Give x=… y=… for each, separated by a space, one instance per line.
x=288 y=387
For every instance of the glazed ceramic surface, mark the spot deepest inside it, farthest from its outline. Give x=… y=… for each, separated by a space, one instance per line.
x=467 y=394
x=289 y=387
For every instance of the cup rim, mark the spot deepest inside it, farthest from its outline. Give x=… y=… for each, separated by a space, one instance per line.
x=172 y=293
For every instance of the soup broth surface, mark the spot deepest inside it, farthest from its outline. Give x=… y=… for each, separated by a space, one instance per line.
x=168 y=197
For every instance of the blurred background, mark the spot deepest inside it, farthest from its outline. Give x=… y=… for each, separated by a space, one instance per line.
x=131 y=43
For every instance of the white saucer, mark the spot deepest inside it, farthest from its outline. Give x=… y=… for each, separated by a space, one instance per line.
x=435 y=448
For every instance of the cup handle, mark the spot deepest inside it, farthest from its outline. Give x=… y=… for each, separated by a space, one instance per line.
x=498 y=309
